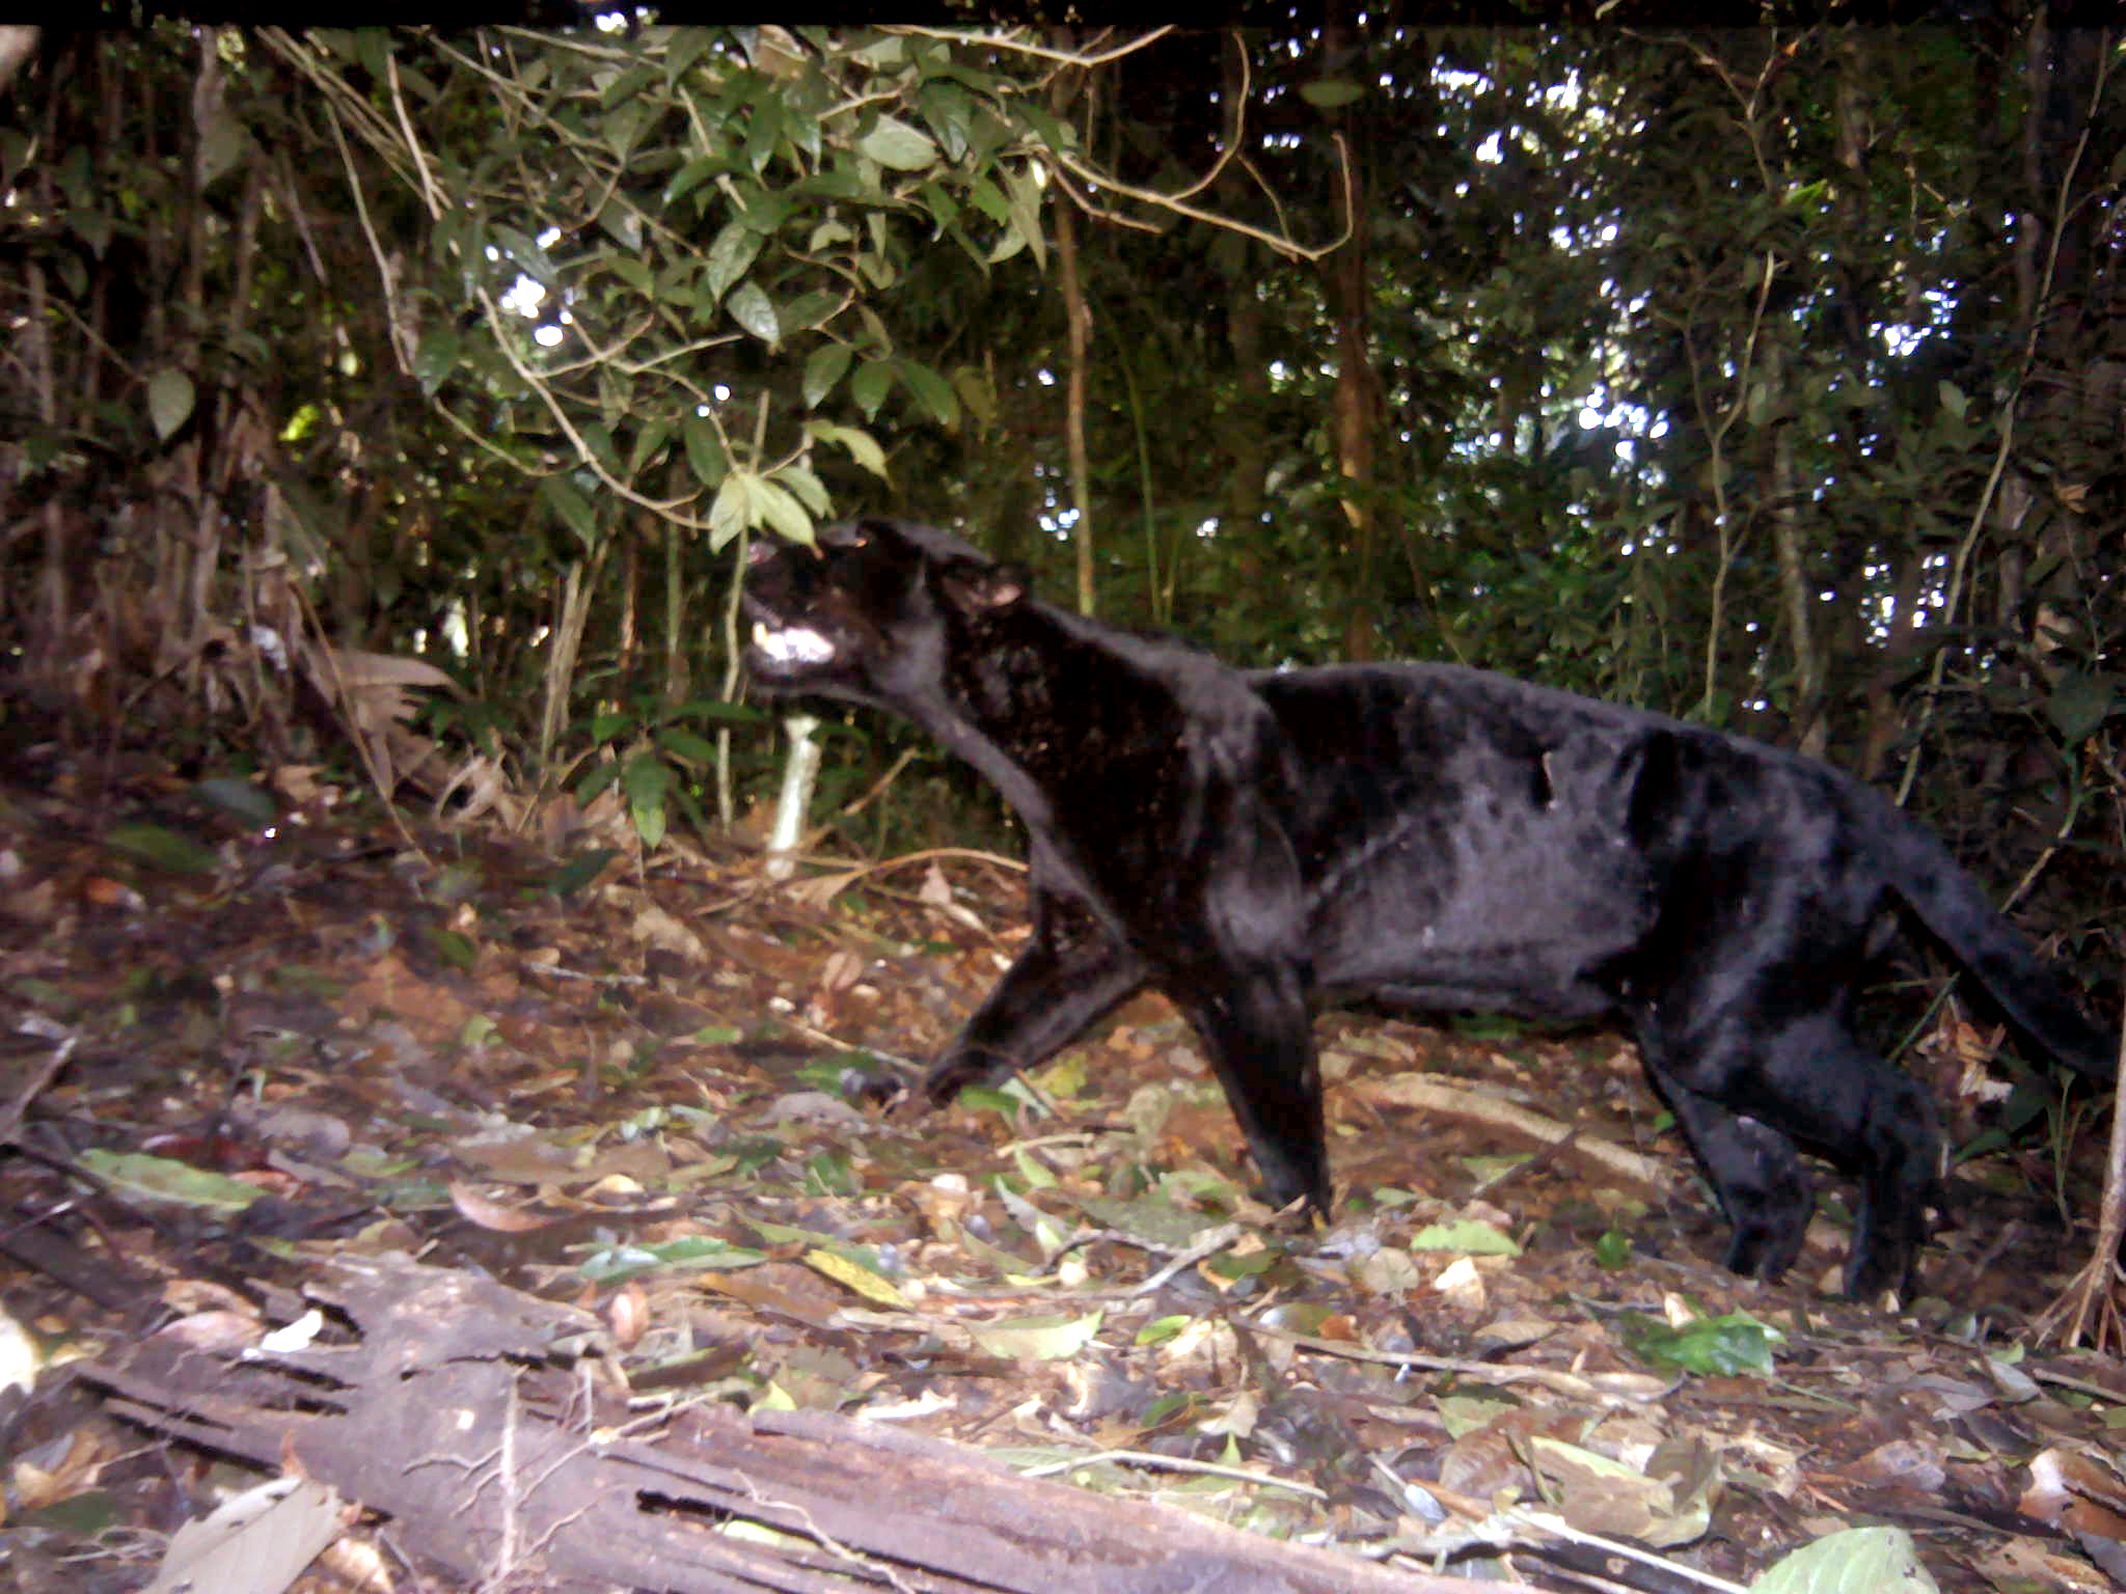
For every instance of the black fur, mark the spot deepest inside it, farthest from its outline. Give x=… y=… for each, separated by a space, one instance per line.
x=1427 y=836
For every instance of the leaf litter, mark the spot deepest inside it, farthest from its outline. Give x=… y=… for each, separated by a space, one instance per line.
x=634 y=1090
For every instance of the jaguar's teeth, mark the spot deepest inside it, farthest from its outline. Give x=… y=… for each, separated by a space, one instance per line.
x=792 y=645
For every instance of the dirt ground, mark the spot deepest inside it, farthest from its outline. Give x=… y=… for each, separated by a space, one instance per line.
x=239 y=1049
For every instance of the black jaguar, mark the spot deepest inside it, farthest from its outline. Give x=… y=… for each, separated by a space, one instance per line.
x=1426 y=836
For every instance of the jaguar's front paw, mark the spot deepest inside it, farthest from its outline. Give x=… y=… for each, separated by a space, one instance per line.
x=873 y=1090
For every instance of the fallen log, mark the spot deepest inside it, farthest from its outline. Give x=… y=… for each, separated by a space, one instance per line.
x=456 y=1407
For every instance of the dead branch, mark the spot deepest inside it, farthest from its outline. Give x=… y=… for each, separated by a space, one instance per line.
x=447 y=1403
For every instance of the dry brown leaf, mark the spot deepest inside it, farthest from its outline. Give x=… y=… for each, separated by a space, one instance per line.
x=484 y=1213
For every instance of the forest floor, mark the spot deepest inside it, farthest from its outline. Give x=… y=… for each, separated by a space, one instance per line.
x=237 y=1053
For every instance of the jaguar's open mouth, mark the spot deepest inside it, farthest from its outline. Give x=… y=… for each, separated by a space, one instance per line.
x=794 y=644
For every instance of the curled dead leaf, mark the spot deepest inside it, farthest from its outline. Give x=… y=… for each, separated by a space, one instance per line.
x=2075 y=1491
x=627 y=1314
x=477 y=1209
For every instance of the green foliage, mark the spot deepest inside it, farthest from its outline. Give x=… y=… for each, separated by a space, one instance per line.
x=1706 y=371
x=1872 y=1560
x=1718 y=1346
x=654 y=221
x=658 y=758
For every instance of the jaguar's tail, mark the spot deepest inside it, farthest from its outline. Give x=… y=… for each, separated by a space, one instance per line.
x=1952 y=905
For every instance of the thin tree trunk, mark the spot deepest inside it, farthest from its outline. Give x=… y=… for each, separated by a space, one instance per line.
x=675 y=612
x=1795 y=587
x=1080 y=324
x=1356 y=387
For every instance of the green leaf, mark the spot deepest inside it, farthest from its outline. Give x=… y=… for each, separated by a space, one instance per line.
x=764 y=209
x=579 y=871
x=683 y=49
x=896 y=144
x=649 y=442
x=752 y=309
x=93 y=228
x=436 y=358
x=943 y=208
x=1012 y=241
x=2079 y=704
x=1329 y=93
x=372 y=47
x=949 y=112
x=137 y=1176
x=715 y=708
x=689 y=745
x=568 y=501
x=1730 y=1345
x=1879 y=1560
x=165 y=849
x=862 y=447
x=598 y=438
x=15 y=149
x=765 y=129
x=989 y=200
x=972 y=384
x=1046 y=1338
x=454 y=947
x=735 y=508
x=810 y=490
x=1048 y=128
x=933 y=390
x=1025 y=214
x=170 y=400
x=646 y=779
x=872 y=382
x=245 y=799
x=623 y=223
x=730 y=256
x=782 y=512
x=629 y=84
x=221 y=147
x=691 y=176
x=704 y=450
x=882 y=55
x=810 y=310
x=679 y=283
x=529 y=257
x=825 y=366
x=613 y=1264
x=1466 y=1237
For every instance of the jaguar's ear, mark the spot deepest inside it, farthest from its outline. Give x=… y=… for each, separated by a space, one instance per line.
x=856 y=534
x=979 y=589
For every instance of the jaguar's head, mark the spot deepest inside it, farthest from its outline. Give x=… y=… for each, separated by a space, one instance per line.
x=863 y=614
